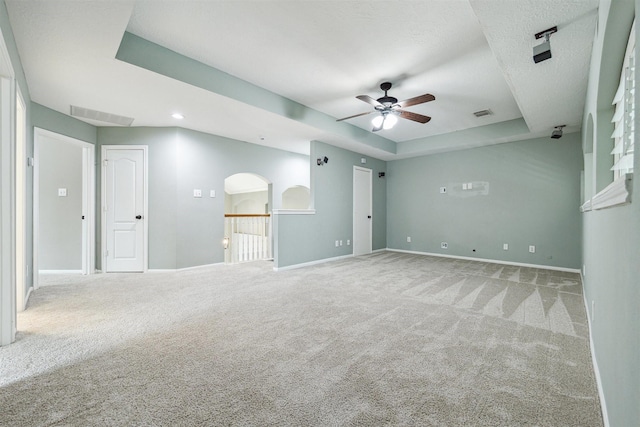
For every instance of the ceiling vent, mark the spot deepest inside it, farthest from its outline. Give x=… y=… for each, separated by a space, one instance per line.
x=100 y=116
x=483 y=113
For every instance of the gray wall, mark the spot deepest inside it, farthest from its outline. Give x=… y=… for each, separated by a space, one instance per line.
x=185 y=231
x=46 y=118
x=254 y=202
x=533 y=198
x=306 y=238
x=60 y=242
x=611 y=248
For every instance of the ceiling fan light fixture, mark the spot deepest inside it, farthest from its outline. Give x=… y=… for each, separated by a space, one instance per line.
x=377 y=121
x=390 y=121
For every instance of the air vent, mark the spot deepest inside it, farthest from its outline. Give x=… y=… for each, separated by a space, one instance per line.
x=100 y=116
x=483 y=113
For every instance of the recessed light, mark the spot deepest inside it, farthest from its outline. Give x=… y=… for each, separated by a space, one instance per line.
x=177 y=116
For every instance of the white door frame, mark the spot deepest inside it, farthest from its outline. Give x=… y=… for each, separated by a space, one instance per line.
x=103 y=202
x=88 y=199
x=7 y=197
x=370 y=172
x=21 y=202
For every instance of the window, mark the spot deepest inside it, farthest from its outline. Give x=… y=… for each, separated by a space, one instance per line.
x=623 y=118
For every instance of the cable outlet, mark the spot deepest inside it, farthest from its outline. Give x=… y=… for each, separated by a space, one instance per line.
x=444 y=245
x=532 y=249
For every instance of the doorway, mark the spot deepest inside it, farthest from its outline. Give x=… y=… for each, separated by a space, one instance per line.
x=362 y=211
x=124 y=208
x=64 y=205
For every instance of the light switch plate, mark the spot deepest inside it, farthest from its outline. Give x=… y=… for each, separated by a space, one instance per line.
x=443 y=190
x=212 y=193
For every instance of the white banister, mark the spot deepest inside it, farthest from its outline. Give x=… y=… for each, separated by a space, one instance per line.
x=248 y=237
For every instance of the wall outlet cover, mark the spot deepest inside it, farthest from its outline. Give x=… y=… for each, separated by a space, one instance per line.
x=197 y=193
x=444 y=245
x=408 y=239
x=505 y=246
x=62 y=192
x=532 y=249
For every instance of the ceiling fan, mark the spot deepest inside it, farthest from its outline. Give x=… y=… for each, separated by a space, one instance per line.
x=389 y=109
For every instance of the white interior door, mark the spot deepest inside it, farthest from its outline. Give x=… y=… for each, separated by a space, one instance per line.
x=124 y=207
x=362 y=211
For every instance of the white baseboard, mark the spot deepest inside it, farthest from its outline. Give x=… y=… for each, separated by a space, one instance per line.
x=596 y=370
x=173 y=270
x=310 y=263
x=495 y=261
x=59 y=271
x=26 y=298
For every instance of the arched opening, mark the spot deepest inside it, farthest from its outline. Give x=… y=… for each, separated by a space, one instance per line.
x=247 y=207
x=296 y=197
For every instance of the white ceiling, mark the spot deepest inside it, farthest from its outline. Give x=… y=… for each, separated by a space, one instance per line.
x=470 y=54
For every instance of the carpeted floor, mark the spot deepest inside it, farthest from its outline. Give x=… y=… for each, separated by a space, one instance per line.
x=386 y=339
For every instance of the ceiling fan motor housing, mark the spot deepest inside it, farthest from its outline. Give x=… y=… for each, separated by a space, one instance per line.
x=388 y=101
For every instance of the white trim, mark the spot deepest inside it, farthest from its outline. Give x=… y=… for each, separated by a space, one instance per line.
x=294 y=212
x=26 y=298
x=8 y=317
x=88 y=199
x=596 y=370
x=21 y=199
x=310 y=263
x=615 y=194
x=175 y=270
x=103 y=195
x=61 y=272
x=495 y=261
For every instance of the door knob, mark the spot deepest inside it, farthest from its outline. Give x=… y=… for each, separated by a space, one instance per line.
x=138 y=216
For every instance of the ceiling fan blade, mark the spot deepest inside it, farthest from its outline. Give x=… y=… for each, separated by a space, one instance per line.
x=355 y=115
x=413 y=116
x=369 y=100
x=416 y=100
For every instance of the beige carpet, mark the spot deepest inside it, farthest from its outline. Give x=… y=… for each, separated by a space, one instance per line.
x=385 y=339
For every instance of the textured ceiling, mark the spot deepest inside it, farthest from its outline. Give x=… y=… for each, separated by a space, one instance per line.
x=471 y=55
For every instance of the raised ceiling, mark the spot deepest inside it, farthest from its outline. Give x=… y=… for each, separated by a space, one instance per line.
x=279 y=73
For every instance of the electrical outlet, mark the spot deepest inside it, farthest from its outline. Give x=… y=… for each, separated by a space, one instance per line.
x=348 y=242
x=464 y=186
x=444 y=245
x=197 y=193
x=340 y=242
x=337 y=243
x=505 y=246
x=408 y=239
x=532 y=249
x=470 y=186
x=62 y=192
